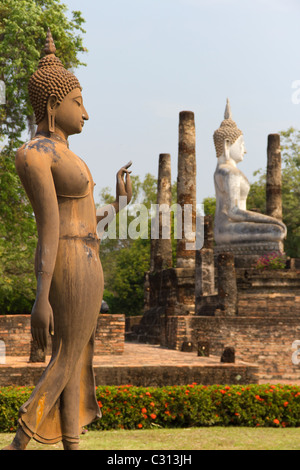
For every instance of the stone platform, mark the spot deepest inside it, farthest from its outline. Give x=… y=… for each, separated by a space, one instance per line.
x=142 y=365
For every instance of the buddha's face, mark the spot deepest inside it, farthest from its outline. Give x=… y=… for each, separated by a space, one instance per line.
x=71 y=114
x=238 y=150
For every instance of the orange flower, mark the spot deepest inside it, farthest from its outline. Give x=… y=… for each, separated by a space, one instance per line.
x=286 y=403
x=148 y=393
x=140 y=426
x=152 y=404
x=100 y=404
x=144 y=410
x=153 y=416
x=276 y=421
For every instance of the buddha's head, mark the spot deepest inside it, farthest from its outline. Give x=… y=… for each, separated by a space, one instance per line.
x=55 y=95
x=228 y=139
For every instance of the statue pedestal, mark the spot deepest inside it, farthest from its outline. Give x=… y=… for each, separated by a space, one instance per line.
x=247 y=254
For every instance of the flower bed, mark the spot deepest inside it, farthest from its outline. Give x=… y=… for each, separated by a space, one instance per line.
x=129 y=407
x=271 y=261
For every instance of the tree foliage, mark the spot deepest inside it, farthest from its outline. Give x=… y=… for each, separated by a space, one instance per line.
x=125 y=261
x=23 y=29
x=17 y=242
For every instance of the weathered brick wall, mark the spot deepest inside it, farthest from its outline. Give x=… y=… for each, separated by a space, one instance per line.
x=110 y=335
x=282 y=304
x=263 y=340
x=173 y=289
x=15 y=332
x=175 y=331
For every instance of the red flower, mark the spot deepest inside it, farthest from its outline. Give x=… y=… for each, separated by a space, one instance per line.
x=144 y=410
x=153 y=416
x=286 y=403
x=140 y=425
x=259 y=398
x=276 y=421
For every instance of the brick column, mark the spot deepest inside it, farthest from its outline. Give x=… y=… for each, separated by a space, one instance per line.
x=227 y=286
x=205 y=271
x=161 y=248
x=273 y=186
x=186 y=188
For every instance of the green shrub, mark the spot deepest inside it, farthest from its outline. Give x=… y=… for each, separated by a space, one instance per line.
x=129 y=407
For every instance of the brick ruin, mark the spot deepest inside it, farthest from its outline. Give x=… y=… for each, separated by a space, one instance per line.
x=15 y=331
x=213 y=300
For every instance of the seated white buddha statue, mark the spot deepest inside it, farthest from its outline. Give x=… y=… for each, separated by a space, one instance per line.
x=234 y=224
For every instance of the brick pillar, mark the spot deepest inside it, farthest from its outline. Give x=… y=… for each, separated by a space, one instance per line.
x=186 y=188
x=273 y=186
x=161 y=248
x=227 y=287
x=205 y=271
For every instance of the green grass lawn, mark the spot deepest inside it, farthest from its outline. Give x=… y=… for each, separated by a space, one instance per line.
x=214 y=438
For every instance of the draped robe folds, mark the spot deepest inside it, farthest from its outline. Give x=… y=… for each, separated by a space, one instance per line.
x=64 y=399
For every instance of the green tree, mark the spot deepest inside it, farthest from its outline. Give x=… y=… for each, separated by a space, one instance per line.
x=125 y=261
x=17 y=242
x=23 y=28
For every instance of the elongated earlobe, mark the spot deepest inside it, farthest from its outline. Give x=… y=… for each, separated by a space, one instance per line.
x=51 y=121
x=51 y=112
x=226 y=149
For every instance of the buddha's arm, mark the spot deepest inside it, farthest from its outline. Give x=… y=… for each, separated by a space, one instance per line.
x=123 y=196
x=241 y=215
x=34 y=170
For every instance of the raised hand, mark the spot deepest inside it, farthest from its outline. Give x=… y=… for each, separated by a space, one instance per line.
x=124 y=187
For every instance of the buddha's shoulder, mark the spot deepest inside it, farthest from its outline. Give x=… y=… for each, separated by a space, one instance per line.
x=41 y=147
x=225 y=169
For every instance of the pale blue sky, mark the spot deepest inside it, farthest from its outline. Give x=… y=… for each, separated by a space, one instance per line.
x=150 y=59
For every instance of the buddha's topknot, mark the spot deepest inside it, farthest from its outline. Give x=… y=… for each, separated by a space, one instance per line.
x=228 y=130
x=50 y=78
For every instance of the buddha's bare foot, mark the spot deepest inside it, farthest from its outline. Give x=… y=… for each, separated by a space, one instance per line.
x=20 y=441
